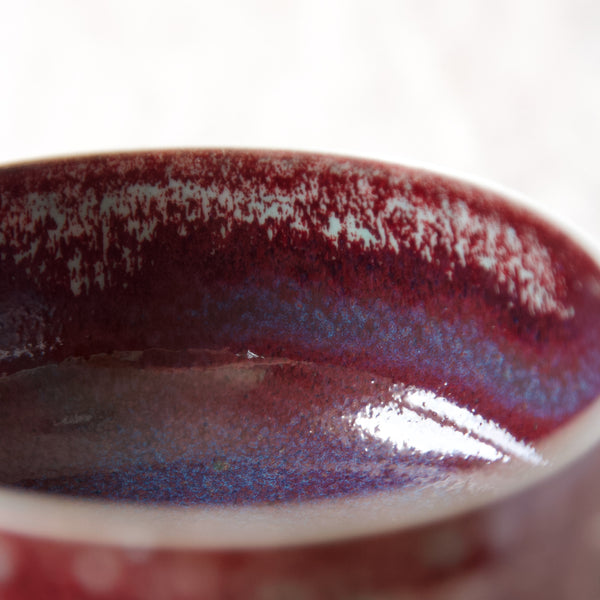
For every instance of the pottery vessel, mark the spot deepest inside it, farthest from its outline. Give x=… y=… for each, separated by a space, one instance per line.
x=394 y=383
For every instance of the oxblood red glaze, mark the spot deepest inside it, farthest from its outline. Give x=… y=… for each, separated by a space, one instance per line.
x=374 y=269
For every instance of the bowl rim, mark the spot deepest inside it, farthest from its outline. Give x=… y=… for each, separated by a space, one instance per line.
x=129 y=524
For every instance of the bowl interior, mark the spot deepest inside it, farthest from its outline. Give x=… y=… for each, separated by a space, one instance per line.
x=250 y=332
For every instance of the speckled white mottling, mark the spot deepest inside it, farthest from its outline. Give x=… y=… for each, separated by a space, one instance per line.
x=364 y=188
x=335 y=226
x=7 y=561
x=97 y=570
x=522 y=265
x=79 y=281
x=434 y=230
x=27 y=350
x=74 y=419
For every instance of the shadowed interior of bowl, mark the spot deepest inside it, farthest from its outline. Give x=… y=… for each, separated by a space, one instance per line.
x=249 y=332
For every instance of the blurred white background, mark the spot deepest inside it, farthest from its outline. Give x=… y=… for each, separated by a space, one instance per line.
x=504 y=90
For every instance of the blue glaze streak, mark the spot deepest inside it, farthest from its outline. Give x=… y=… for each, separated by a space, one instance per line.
x=313 y=468
x=236 y=431
x=408 y=337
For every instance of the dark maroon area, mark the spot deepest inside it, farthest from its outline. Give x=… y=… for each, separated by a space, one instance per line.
x=281 y=291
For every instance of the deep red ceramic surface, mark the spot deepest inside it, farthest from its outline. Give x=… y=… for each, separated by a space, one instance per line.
x=270 y=375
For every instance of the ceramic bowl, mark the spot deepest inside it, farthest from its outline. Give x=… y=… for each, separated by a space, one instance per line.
x=282 y=376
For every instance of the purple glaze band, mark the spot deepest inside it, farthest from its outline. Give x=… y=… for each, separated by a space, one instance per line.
x=393 y=271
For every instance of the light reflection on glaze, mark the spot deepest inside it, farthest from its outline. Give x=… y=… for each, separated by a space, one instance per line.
x=362 y=265
x=211 y=427
x=420 y=421
x=347 y=269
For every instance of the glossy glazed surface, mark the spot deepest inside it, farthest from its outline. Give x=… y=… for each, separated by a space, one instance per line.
x=281 y=327
x=227 y=430
x=395 y=331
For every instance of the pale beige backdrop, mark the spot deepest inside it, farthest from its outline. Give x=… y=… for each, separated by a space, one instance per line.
x=506 y=90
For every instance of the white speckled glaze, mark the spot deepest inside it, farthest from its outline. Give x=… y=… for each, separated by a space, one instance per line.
x=491 y=538
x=518 y=261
